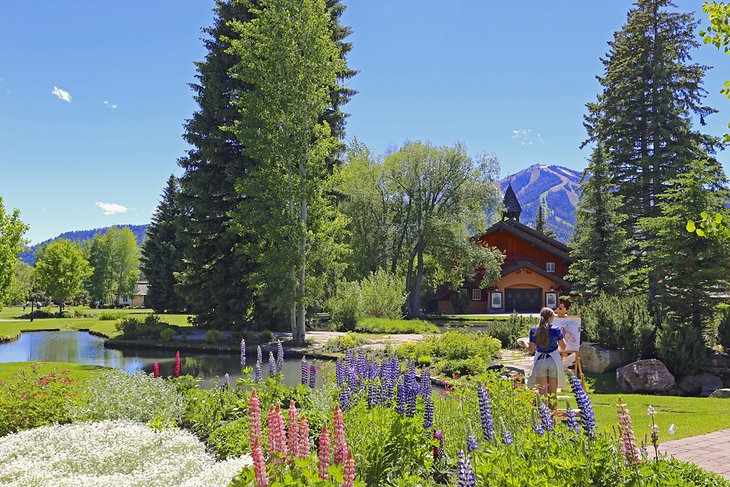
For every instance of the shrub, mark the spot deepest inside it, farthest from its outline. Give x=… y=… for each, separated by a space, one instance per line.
x=111 y=315
x=345 y=306
x=723 y=329
x=115 y=394
x=382 y=295
x=153 y=321
x=167 y=334
x=213 y=336
x=120 y=453
x=266 y=335
x=345 y=342
x=621 y=323
x=459 y=301
x=129 y=326
x=681 y=348
x=508 y=331
x=31 y=398
x=386 y=325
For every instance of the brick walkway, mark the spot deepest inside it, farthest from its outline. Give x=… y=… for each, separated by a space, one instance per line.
x=710 y=451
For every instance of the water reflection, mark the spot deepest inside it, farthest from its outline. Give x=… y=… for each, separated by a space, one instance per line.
x=83 y=348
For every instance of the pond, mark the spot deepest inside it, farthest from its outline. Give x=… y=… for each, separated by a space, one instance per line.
x=83 y=348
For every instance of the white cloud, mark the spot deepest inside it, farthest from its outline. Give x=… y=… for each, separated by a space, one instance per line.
x=113 y=106
x=111 y=208
x=525 y=137
x=61 y=94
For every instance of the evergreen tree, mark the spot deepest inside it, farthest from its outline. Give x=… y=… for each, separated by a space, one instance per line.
x=642 y=118
x=215 y=270
x=162 y=252
x=599 y=242
x=689 y=268
x=540 y=218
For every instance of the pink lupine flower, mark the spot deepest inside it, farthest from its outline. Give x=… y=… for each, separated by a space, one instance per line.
x=156 y=370
x=349 y=471
x=276 y=434
x=629 y=448
x=176 y=372
x=293 y=431
x=323 y=455
x=303 y=449
x=259 y=465
x=254 y=419
x=340 y=444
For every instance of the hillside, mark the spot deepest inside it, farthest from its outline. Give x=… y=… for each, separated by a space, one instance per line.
x=28 y=256
x=555 y=185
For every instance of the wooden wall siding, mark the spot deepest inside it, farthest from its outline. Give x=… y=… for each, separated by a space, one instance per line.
x=520 y=250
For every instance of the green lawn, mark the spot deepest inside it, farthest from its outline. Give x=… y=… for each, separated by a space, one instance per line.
x=77 y=372
x=481 y=318
x=92 y=322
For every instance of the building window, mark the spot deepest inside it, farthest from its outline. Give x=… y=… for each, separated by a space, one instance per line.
x=476 y=294
x=550 y=267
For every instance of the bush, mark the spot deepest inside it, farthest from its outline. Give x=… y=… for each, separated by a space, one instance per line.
x=115 y=394
x=382 y=295
x=386 y=325
x=508 y=331
x=459 y=301
x=345 y=306
x=723 y=329
x=111 y=315
x=129 y=326
x=621 y=323
x=32 y=398
x=681 y=348
x=213 y=336
x=345 y=342
x=167 y=334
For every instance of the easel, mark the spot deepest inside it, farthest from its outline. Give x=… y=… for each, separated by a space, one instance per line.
x=578 y=366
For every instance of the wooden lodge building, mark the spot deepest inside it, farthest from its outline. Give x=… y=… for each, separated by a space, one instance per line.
x=532 y=272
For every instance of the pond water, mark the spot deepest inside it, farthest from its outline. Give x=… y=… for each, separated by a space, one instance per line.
x=83 y=348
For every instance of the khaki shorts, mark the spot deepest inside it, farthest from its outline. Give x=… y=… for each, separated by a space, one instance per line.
x=545 y=367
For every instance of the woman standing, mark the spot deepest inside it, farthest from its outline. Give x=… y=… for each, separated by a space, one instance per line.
x=546 y=342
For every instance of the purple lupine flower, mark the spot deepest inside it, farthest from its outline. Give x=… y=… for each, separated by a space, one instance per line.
x=584 y=404
x=350 y=359
x=537 y=428
x=243 y=353
x=507 y=437
x=426 y=389
x=340 y=372
x=373 y=370
x=226 y=381
x=571 y=421
x=372 y=393
x=259 y=357
x=279 y=357
x=472 y=443
x=305 y=371
x=345 y=398
x=400 y=397
x=438 y=451
x=428 y=414
x=312 y=376
x=464 y=471
x=362 y=365
x=258 y=375
x=546 y=417
x=272 y=365
x=352 y=378
x=485 y=413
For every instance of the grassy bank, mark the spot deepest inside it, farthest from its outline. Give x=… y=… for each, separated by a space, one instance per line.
x=388 y=326
x=77 y=372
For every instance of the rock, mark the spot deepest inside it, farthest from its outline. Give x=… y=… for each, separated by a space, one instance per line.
x=717 y=360
x=702 y=383
x=721 y=393
x=649 y=375
x=598 y=360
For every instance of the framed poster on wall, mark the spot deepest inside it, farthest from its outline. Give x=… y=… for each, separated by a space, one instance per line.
x=496 y=300
x=551 y=300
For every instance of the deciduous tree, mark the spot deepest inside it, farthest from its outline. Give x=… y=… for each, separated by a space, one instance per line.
x=114 y=257
x=61 y=270
x=11 y=239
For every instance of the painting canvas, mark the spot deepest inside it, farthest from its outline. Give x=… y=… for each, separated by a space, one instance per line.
x=571 y=330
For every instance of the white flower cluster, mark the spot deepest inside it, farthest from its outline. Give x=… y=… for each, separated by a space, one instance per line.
x=115 y=394
x=110 y=453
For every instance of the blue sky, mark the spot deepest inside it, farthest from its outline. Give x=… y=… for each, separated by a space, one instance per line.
x=93 y=95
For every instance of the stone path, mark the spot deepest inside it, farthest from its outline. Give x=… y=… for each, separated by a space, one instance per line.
x=710 y=451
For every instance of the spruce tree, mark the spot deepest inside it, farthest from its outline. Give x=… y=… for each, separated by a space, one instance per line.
x=642 y=118
x=598 y=244
x=540 y=218
x=215 y=270
x=162 y=252
x=689 y=268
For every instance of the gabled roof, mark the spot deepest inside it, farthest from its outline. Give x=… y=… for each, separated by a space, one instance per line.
x=511 y=204
x=565 y=285
x=531 y=235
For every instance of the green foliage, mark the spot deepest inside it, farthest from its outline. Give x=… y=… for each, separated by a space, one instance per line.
x=345 y=306
x=162 y=252
x=454 y=352
x=115 y=394
x=723 y=328
x=168 y=334
x=30 y=398
x=114 y=256
x=508 y=331
x=681 y=348
x=344 y=342
x=718 y=34
x=213 y=336
x=22 y=284
x=111 y=315
x=382 y=295
x=385 y=325
x=11 y=239
x=61 y=270
x=459 y=300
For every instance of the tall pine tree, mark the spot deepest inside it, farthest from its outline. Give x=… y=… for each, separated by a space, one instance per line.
x=213 y=278
x=162 y=252
x=643 y=117
x=599 y=242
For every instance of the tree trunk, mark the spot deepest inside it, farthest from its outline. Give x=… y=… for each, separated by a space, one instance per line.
x=409 y=284
x=302 y=269
x=419 y=282
x=292 y=272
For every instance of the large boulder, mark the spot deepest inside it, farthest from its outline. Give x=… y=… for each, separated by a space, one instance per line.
x=721 y=393
x=649 y=375
x=703 y=384
x=598 y=360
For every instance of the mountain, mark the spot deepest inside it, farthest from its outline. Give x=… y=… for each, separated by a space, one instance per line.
x=555 y=185
x=28 y=256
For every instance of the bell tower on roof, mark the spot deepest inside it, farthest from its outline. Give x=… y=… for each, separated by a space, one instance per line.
x=512 y=206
